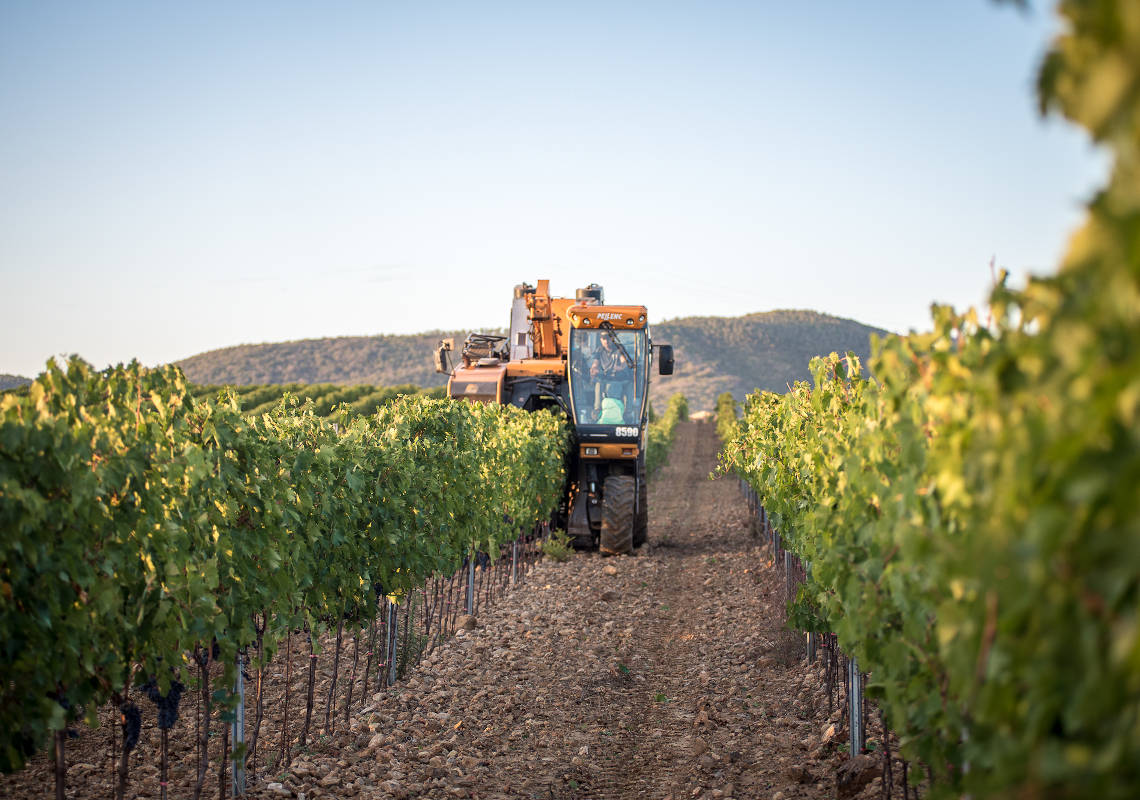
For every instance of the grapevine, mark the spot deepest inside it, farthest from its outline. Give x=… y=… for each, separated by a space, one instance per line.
x=660 y=438
x=144 y=523
x=970 y=513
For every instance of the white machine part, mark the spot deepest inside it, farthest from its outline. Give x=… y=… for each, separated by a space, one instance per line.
x=521 y=344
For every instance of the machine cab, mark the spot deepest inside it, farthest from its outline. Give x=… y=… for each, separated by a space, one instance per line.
x=609 y=370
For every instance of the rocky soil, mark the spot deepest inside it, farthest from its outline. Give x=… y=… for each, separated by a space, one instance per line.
x=666 y=674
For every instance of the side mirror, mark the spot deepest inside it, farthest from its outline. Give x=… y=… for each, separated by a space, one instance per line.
x=665 y=359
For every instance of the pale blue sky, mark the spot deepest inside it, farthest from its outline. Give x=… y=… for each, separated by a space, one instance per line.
x=177 y=177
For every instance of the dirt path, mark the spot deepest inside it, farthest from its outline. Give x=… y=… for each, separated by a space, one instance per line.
x=662 y=675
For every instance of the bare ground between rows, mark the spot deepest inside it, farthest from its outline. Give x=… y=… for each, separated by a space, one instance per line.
x=666 y=674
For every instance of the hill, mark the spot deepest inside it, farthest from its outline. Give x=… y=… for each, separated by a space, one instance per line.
x=385 y=360
x=767 y=350
x=12 y=381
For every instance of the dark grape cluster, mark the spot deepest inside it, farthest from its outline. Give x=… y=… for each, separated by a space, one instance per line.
x=65 y=704
x=167 y=704
x=132 y=724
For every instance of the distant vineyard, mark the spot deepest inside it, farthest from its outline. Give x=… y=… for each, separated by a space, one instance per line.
x=146 y=523
x=327 y=397
x=661 y=431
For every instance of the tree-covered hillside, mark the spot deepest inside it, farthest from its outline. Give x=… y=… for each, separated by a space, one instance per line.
x=12 y=381
x=768 y=350
x=385 y=360
x=714 y=354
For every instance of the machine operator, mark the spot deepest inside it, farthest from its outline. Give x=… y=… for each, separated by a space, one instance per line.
x=610 y=370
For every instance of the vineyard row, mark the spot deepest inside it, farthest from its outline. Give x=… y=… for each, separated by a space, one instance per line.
x=327 y=398
x=971 y=533
x=969 y=518
x=144 y=525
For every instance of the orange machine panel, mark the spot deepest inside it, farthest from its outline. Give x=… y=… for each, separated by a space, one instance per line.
x=608 y=451
x=536 y=366
x=477 y=384
x=543 y=322
x=621 y=317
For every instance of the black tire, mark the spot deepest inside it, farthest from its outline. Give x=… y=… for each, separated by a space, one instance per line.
x=641 y=525
x=617 y=515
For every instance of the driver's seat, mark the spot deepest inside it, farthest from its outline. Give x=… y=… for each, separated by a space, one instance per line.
x=613 y=412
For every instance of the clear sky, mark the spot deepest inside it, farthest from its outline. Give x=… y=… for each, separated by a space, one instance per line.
x=178 y=177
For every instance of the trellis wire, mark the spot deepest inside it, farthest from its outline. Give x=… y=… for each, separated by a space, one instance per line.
x=836 y=664
x=393 y=646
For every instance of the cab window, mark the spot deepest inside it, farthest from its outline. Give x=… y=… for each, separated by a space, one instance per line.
x=607 y=376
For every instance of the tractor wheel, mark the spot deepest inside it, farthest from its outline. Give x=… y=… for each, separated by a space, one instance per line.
x=641 y=526
x=617 y=515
